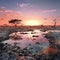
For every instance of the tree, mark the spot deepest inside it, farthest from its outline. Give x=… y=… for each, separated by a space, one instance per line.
x=15 y=22
x=54 y=23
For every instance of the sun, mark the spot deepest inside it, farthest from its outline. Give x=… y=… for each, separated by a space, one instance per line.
x=32 y=23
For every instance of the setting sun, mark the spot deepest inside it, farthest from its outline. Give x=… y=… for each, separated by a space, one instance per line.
x=32 y=23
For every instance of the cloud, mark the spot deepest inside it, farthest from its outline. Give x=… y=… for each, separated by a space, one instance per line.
x=3 y=7
x=5 y=11
x=8 y=11
x=24 y=5
x=49 y=11
x=7 y=15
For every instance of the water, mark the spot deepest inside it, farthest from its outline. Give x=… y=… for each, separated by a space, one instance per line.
x=29 y=37
x=29 y=40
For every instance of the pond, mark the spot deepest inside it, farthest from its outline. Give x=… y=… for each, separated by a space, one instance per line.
x=35 y=40
x=28 y=37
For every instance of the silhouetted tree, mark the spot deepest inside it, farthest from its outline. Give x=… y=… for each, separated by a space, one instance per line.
x=15 y=22
x=54 y=23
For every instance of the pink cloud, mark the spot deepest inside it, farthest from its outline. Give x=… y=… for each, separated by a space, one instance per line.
x=48 y=11
x=9 y=11
x=8 y=15
x=4 y=10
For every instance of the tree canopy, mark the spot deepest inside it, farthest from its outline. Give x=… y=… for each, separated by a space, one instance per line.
x=15 y=21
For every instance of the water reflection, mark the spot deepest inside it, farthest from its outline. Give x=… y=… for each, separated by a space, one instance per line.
x=36 y=47
x=29 y=38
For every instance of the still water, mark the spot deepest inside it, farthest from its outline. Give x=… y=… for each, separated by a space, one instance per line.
x=29 y=37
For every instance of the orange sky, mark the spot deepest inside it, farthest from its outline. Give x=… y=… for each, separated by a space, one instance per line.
x=36 y=20
x=38 y=11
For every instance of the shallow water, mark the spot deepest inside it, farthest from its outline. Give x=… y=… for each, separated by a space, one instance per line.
x=29 y=37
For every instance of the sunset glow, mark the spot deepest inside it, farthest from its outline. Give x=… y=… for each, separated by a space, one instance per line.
x=29 y=29
x=32 y=22
x=33 y=11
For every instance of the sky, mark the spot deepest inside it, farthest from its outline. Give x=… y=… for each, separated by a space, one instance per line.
x=42 y=11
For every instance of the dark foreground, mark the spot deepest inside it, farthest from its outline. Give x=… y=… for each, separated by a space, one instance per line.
x=8 y=52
